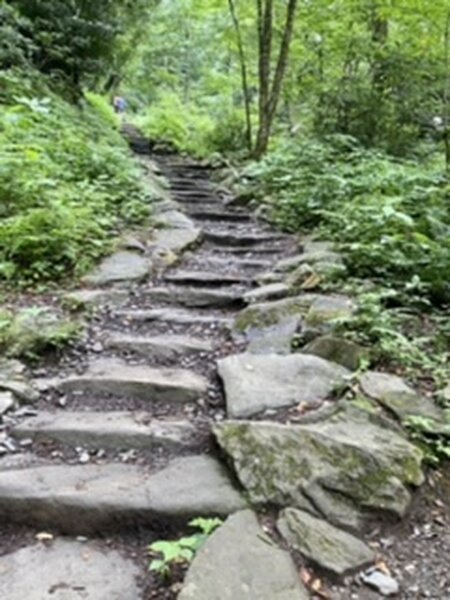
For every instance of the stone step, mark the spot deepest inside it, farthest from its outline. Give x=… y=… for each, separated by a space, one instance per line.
x=115 y=430
x=111 y=376
x=161 y=346
x=237 y=263
x=94 y=498
x=195 y=194
x=68 y=569
x=229 y=238
x=175 y=317
x=249 y=250
x=209 y=278
x=194 y=297
x=208 y=213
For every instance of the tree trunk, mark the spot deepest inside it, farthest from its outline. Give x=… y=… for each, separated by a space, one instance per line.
x=269 y=95
x=244 y=76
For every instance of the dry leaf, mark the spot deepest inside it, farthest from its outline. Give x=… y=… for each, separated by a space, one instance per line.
x=382 y=566
x=305 y=576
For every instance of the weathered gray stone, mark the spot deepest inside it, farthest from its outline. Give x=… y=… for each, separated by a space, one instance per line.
x=385 y=584
x=326 y=309
x=254 y=383
x=274 y=339
x=82 y=499
x=82 y=299
x=116 y=430
x=271 y=313
x=68 y=570
x=325 y=545
x=345 y=468
x=6 y=402
x=162 y=346
x=23 y=391
x=338 y=350
x=122 y=266
x=395 y=394
x=240 y=562
x=174 y=219
x=194 y=297
x=112 y=376
x=271 y=291
x=311 y=258
x=239 y=263
x=168 y=244
x=175 y=316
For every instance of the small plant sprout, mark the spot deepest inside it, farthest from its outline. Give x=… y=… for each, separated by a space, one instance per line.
x=172 y=552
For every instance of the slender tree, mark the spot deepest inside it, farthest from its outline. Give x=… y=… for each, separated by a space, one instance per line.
x=244 y=74
x=270 y=88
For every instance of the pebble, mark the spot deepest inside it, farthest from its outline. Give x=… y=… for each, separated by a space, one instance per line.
x=97 y=347
x=25 y=443
x=10 y=445
x=62 y=401
x=386 y=585
x=84 y=458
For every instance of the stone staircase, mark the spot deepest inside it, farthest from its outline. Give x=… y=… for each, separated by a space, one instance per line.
x=123 y=439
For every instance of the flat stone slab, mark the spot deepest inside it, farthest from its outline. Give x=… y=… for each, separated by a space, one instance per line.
x=95 y=298
x=116 y=430
x=271 y=291
x=93 y=498
x=162 y=346
x=396 y=395
x=273 y=339
x=68 y=570
x=122 y=266
x=175 y=316
x=323 y=544
x=112 y=376
x=175 y=240
x=344 y=468
x=240 y=562
x=194 y=297
x=254 y=383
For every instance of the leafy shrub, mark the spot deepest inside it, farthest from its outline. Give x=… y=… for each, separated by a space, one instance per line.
x=390 y=217
x=66 y=182
x=103 y=107
x=33 y=331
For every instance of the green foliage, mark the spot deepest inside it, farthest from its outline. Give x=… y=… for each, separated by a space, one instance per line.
x=33 y=331
x=399 y=336
x=103 y=107
x=66 y=182
x=182 y=550
x=433 y=438
x=391 y=218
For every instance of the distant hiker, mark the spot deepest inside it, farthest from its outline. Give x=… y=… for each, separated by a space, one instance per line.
x=120 y=104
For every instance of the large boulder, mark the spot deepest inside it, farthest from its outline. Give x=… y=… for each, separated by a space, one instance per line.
x=240 y=562
x=122 y=267
x=345 y=468
x=254 y=383
x=271 y=313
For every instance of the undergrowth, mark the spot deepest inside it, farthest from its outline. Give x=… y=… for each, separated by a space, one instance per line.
x=390 y=220
x=67 y=182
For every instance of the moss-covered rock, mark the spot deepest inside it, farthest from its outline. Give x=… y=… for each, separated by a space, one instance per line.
x=339 y=350
x=271 y=313
x=345 y=468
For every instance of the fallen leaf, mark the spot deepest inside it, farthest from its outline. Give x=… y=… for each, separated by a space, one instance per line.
x=382 y=566
x=305 y=576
